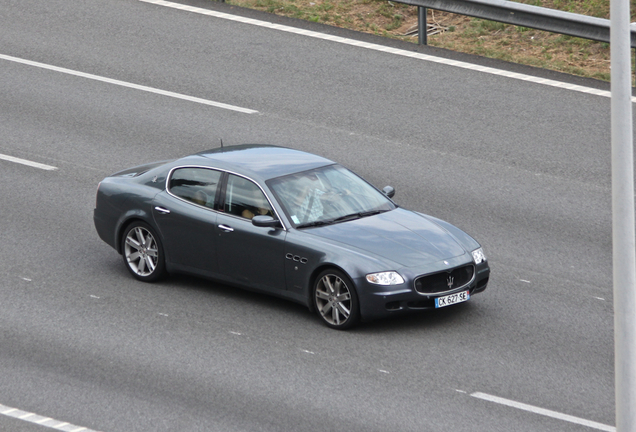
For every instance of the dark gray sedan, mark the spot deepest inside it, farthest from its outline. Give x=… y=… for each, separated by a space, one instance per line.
x=291 y=224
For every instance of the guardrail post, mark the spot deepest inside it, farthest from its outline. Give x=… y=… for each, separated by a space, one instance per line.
x=422 y=25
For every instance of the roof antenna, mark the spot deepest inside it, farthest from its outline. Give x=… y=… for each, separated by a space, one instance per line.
x=221 y=142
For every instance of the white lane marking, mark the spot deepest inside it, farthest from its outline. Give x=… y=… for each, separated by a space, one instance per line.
x=27 y=162
x=40 y=420
x=129 y=85
x=381 y=48
x=43 y=420
x=543 y=411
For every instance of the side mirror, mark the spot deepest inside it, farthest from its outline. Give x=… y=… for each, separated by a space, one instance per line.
x=389 y=191
x=265 y=221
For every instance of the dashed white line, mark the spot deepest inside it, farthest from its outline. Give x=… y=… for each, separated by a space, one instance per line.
x=129 y=85
x=43 y=420
x=382 y=48
x=30 y=417
x=27 y=162
x=544 y=412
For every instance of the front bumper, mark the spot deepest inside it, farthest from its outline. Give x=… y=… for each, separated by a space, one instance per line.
x=378 y=302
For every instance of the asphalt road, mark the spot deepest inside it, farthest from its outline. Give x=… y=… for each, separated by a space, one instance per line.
x=523 y=167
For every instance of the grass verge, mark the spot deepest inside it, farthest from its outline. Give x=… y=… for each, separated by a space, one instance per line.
x=460 y=33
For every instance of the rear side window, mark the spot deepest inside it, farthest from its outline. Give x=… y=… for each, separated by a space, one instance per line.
x=197 y=185
x=243 y=198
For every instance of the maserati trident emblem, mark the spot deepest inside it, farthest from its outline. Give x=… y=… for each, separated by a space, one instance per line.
x=449 y=282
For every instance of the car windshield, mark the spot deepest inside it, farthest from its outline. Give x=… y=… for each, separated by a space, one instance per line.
x=327 y=195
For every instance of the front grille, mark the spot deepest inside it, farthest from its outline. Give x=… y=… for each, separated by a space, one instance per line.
x=445 y=281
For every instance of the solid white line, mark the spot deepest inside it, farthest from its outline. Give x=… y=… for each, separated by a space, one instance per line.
x=381 y=48
x=24 y=415
x=544 y=412
x=128 y=85
x=27 y=162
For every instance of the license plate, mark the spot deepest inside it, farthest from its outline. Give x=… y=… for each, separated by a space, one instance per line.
x=452 y=299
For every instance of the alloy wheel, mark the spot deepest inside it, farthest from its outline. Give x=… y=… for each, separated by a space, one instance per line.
x=142 y=253
x=335 y=301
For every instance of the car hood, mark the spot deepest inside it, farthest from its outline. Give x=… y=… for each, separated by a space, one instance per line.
x=402 y=236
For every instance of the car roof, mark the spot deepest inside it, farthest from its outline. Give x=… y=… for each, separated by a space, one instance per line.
x=258 y=160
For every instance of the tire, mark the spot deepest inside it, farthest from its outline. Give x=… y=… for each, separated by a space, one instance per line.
x=336 y=300
x=143 y=253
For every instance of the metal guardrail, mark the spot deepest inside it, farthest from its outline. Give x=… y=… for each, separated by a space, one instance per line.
x=521 y=14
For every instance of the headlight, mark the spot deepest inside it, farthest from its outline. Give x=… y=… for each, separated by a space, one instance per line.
x=479 y=256
x=385 y=278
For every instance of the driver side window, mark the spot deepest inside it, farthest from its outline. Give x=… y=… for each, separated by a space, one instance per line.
x=245 y=199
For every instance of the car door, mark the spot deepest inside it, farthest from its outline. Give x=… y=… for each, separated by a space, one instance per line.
x=246 y=254
x=186 y=217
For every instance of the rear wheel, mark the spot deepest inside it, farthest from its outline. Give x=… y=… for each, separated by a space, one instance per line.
x=143 y=253
x=336 y=300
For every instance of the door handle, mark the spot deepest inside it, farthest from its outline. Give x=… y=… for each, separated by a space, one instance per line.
x=162 y=210
x=226 y=228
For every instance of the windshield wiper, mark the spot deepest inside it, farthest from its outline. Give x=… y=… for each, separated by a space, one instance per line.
x=371 y=213
x=348 y=217
x=315 y=223
x=345 y=218
x=359 y=215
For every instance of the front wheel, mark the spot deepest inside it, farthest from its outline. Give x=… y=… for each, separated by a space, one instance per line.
x=336 y=300
x=143 y=253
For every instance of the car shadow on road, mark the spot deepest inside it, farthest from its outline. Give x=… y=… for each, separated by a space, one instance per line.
x=251 y=298
x=453 y=316
x=297 y=315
